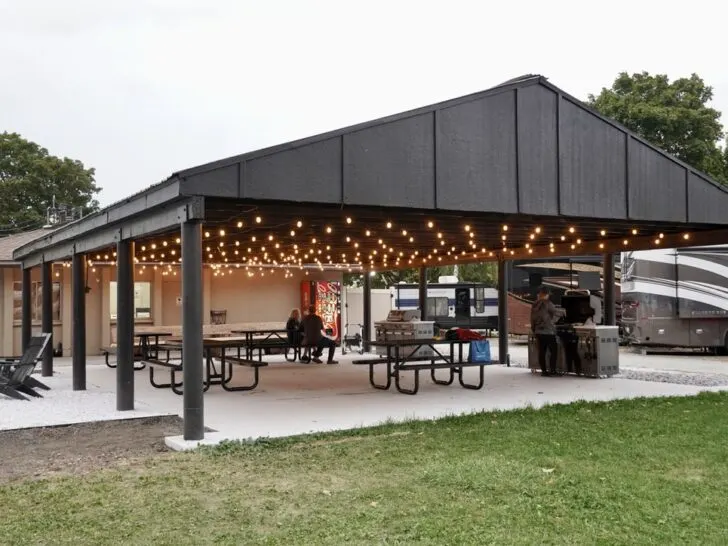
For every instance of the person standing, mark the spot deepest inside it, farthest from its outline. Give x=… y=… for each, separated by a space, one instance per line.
x=543 y=318
x=314 y=336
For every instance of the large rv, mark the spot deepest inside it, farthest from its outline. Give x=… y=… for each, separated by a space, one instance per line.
x=452 y=304
x=676 y=298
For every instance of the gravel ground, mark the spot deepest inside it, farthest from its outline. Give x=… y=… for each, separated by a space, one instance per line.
x=664 y=376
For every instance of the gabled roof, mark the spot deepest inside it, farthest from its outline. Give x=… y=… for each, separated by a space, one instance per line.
x=524 y=148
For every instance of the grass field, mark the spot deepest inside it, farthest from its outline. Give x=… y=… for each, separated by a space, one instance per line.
x=629 y=472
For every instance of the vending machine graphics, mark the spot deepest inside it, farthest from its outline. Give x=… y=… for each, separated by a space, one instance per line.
x=325 y=296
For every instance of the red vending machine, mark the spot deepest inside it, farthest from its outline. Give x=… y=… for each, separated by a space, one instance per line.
x=326 y=297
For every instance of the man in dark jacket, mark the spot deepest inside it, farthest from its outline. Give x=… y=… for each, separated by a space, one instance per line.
x=313 y=326
x=543 y=317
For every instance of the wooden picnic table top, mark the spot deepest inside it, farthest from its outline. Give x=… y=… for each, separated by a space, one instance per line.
x=152 y=334
x=212 y=342
x=261 y=331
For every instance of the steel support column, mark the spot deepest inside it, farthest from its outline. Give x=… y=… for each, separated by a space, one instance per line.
x=423 y=293
x=124 y=326
x=192 y=349
x=610 y=300
x=47 y=316
x=79 y=322
x=26 y=312
x=503 y=312
x=367 y=305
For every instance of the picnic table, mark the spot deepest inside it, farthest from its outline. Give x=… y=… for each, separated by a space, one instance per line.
x=213 y=348
x=147 y=348
x=266 y=338
x=402 y=357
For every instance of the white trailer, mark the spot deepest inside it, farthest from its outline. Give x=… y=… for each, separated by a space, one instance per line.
x=452 y=304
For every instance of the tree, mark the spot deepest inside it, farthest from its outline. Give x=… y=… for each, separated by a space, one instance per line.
x=673 y=116
x=385 y=279
x=486 y=273
x=29 y=179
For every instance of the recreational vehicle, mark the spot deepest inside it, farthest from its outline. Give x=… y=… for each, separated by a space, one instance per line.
x=452 y=304
x=677 y=298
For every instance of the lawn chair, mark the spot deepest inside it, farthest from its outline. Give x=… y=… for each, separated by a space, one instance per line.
x=15 y=379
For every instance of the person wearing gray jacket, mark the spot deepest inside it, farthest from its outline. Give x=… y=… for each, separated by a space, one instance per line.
x=544 y=315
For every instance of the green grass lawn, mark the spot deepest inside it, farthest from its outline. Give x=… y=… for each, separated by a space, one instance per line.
x=629 y=472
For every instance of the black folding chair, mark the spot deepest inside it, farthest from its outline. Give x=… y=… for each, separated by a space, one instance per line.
x=15 y=374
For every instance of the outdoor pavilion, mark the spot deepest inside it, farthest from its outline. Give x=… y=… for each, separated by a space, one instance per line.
x=522 y=170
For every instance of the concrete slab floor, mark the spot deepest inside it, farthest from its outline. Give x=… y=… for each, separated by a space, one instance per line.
x=296 y=399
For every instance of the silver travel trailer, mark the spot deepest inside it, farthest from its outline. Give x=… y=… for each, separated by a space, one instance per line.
x=451 y=303
x=676 y=297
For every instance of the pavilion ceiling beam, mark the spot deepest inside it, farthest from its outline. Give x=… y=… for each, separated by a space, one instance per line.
x=145 y=224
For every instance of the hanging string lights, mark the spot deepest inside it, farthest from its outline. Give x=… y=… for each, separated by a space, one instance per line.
x=276 y=242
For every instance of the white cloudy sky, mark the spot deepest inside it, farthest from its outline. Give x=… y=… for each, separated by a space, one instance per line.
x=140 y=89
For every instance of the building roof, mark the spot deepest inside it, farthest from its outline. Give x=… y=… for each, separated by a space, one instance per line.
x=524 y=151
x=9 y=243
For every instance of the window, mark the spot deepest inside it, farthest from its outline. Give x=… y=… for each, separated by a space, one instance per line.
x=142 y=300
x=36 y=301
x=480 y=300
x=437 y=307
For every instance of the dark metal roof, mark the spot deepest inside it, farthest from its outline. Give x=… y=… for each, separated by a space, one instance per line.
x=524 y=147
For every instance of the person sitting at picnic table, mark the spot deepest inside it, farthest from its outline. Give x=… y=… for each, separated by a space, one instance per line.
x=314 y=336
x=294 y=328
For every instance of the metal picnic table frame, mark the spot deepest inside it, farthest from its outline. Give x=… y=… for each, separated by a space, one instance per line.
x=213 y=376
x=398 y=361
x=147 y=349
x=264 y=335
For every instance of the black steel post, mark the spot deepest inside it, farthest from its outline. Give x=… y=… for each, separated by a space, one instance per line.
x=79 y=322
x=423 y=293
x=124 y=326
x=503 y=311
x=367 y=305
x=26 y=312
x=47 y=316
x=610 y=300
x=192 y=349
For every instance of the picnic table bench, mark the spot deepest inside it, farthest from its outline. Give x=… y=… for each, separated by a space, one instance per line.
x=401 y=357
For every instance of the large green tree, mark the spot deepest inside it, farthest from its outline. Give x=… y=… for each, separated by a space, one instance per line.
x=674 y=116
x=29 y=179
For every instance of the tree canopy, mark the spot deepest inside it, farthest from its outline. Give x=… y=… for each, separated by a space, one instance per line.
x=674 y=116
x=30 y=178
x=486 y=273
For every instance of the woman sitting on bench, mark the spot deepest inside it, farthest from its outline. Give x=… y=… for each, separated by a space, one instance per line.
x=313 y=328
x=294 y=328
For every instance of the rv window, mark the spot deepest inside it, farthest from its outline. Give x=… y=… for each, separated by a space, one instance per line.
x=480 y=300
x=437 y=307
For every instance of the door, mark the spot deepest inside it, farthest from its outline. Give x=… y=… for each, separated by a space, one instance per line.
x=462 y=304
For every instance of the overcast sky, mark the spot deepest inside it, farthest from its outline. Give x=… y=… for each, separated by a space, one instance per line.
x=141 y=89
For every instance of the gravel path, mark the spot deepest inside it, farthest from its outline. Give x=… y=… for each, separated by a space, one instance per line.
x=664 y=376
